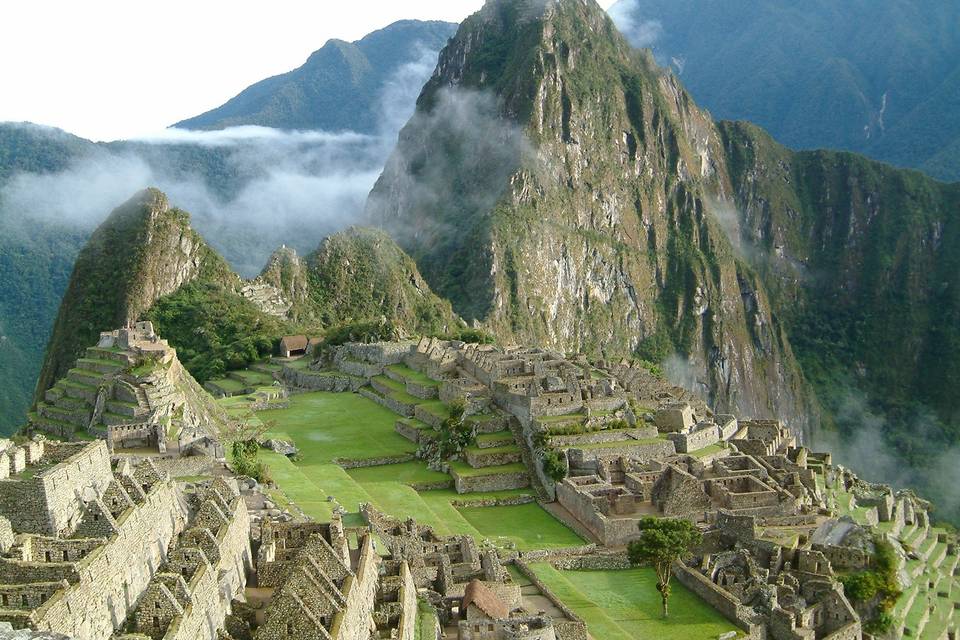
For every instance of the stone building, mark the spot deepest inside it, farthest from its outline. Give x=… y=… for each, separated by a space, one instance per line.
x=79 y=564
x=191 y=594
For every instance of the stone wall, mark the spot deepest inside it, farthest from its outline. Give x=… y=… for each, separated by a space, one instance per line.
x=611 y=532
x=488 y=483
x=322 y=380
x=112 y=577
x=408 y=602
x=595 y=437
x=398 y=407
x=51 y=501
x=353 y=623
x=687 y=442
x=212 y=592
x=570 y=628
x=723 y=602
x=642 y=452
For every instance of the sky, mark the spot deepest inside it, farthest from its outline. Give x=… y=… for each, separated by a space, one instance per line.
x=115 y=69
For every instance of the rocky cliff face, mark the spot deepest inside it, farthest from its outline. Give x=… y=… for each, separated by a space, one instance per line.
x=559 y=187
x=144 y=250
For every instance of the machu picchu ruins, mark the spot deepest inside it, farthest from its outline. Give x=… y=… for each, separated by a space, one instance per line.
x=183 y=548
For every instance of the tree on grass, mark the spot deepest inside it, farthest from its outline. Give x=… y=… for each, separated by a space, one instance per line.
x=662 y=542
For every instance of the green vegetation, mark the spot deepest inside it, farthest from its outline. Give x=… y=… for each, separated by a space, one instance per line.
x=623 y=605
x=245 y=461
x=554 y=465
x=214 y=330
x=662 y=542
x=524 y=524
x=815 y=77
x=426 y=621
x=879 y=583
x=328 y=426
x=331 y=426
x=128 y=260
x=454 y=435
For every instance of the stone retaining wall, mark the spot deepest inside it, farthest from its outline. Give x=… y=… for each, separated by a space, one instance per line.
x=357 y=463
x=573 y=627
x=480 y=458
x=321 y=381
x=723 y=602
x=114 y=575
x=495 y=482
x=594 y=437
x=394 y=405
x=644 y=452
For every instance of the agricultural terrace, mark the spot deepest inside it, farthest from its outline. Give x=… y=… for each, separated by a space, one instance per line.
x=329 y=427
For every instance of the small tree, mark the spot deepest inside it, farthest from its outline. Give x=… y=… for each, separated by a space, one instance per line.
x=662 y=542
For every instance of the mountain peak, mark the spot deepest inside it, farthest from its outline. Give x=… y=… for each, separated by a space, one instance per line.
x=145 y=249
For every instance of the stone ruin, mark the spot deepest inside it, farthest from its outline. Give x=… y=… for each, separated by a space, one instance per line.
x=94 y=552
x=131 y=390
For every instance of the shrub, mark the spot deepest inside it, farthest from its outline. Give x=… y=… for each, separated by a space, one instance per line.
x=554 y=465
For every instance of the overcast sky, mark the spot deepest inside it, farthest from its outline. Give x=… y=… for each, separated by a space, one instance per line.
x=111 y=69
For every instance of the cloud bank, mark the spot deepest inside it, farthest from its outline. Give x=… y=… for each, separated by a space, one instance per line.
x=249 y=189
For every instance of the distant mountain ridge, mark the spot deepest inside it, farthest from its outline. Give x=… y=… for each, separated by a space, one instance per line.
x=879 y=77
x=335 y=89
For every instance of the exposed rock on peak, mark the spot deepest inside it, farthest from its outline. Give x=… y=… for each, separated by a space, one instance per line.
x=577 y=208
x=144 y=250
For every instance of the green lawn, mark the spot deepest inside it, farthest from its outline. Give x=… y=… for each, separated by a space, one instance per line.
x=412 y=375
x=529 y=526
x=337 y=425
x=406 y=472
x=625 y=604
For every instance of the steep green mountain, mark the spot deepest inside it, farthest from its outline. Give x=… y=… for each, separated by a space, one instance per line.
x=228 y=186
x=144 y=250
x=145 y=261
x=881 y=77
x=336 y=89
x=27 y=147
x=863 y=260
x=558 y=186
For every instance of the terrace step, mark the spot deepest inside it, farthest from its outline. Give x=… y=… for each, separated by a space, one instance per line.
x=85 y=376
x=414 y=430
x=498 y=478
x=492 y=456
x=101 y=366
x=391 y=401
x=266 y=367
x=121 y=357
x=70 y=416
x=122 y=408
x=78 y=390
x=496 y=439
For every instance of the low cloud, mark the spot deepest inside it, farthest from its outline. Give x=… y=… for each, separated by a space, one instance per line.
x=639 y=31
x=864 y=446
x=249 y=189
